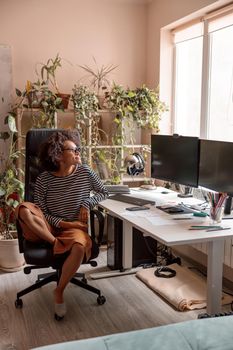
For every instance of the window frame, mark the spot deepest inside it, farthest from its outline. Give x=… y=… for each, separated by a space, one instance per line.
x=205 y=79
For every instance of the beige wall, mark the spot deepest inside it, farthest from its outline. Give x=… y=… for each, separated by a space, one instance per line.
x=122 y=32
x=114 y=31
x=162 y=13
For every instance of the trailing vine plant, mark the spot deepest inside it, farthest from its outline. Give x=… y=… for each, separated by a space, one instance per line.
x=141 y=105
x=85 y=105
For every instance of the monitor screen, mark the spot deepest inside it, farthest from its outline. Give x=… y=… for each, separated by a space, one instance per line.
x=216 y=165
x=175 y=158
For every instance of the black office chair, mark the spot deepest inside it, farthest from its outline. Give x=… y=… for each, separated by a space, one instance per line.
x=41 y=255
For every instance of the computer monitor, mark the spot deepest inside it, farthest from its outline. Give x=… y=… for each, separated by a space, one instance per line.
x=216 y=166
x=175 y=159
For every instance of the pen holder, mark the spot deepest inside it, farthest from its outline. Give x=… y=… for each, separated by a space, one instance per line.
x=216 y=214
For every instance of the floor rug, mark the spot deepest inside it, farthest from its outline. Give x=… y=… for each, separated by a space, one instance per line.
x=185 y=291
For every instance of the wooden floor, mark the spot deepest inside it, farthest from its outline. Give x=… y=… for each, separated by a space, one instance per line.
x=130 y=305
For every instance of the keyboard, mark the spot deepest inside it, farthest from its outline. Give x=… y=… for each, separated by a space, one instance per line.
x=117 y=188
x=221 y=314
x=131 y=200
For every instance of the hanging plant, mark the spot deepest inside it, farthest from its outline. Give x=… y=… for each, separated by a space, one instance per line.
x=50 y=105
x=84 y=100
x=146 y=107
x=85 y=104
x=142 y=104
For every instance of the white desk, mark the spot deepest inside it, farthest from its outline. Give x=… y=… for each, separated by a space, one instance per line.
x=162 y=227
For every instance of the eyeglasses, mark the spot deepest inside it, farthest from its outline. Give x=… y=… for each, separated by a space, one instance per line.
x=74 y=150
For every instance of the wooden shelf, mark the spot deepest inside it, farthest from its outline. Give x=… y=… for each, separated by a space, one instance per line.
x=114 y=153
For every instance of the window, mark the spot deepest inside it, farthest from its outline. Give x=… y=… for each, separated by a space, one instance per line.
x=188 y=51
x=203 y=78
x=221 y=80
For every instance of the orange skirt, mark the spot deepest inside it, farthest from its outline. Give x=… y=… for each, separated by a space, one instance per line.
x=65 y=238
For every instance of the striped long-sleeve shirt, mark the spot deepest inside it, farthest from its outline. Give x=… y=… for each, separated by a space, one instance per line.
x=60 y=198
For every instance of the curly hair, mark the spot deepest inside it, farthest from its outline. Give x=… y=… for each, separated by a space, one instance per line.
x=53 y=147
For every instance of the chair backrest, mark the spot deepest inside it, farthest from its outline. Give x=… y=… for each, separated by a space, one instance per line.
x=34 y=138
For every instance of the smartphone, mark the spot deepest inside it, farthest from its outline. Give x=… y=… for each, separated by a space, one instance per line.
x=174 y=210
x=137 y=208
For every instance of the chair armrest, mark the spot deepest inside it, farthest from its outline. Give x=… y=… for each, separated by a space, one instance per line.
x=100 y=217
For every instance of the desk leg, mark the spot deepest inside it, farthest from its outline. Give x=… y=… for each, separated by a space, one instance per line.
x=127 y=254
x=214 y=276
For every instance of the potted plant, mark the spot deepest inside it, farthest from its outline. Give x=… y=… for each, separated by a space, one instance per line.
x=47 y=103
x=141 y=105
x=84 y=100
x=118 y=100
x=50 y=104
x=34 y=94
x=99 y=79
x=146 y=107
x=11 y=193
x=48 y=73
x=107 y=163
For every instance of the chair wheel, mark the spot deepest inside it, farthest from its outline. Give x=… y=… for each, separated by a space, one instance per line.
x=101 y=300
x=58 y=318
x=18 y=303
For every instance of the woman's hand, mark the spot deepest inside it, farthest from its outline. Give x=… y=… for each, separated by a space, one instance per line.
x=83 y=215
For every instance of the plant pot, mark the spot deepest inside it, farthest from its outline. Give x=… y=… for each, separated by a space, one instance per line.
x=107 y=127
x=101 y=100
x=11 y=259
x=132 y=133
x=65 y=99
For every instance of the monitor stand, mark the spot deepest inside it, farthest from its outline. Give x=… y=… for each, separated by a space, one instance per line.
x=185 y=191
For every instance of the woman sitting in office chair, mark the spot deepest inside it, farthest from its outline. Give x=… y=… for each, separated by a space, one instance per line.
x=62 y=203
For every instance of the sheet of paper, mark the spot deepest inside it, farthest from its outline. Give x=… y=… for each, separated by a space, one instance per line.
x=140 y=213
x=157 y=221
x=153 y=217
